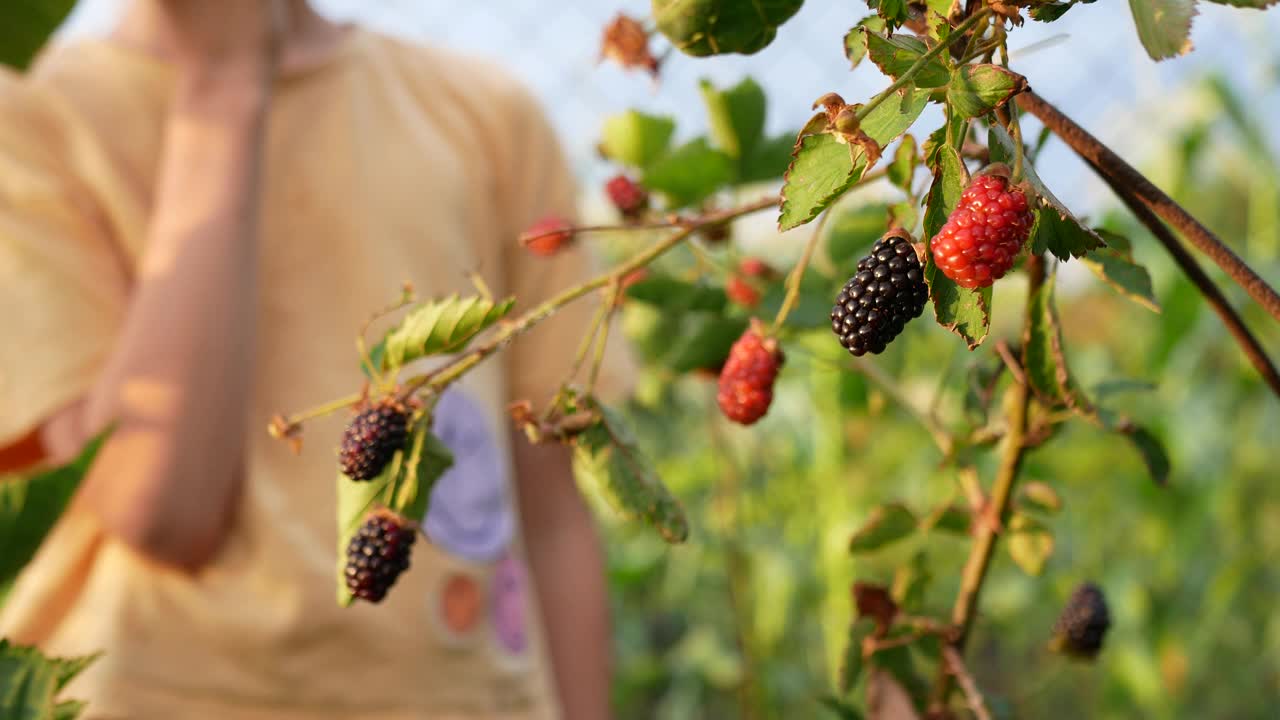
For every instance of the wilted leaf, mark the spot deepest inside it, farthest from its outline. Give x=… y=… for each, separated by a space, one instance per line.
x=27 y=25
x=1164 y=26
x=895 y=54
x=636 y=139
x=1039 y=497
x=887 y=524
x=441 y=326
x=607 y=456
x=1127 y=277
x=874 y=602
x=975 y=90
x=689 y=173
x=30 y=506
x=716 y=27
x=1030 y=544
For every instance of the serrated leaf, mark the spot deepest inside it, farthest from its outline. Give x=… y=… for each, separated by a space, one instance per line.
x=903 y=167
x=717 y=27
x=736 y=116
x=29 y=681
x=896 y=54
x=1039 y=497
x=887 y=524
x=964 y=312
x=851 y=658
x=606 y=456
x=1030 y=544
x=852 y=232
x=689 y=173
x=975 y=90
x=1057 y=231
x=948 y=518
x=1164 y=26
x=824 y=168
x=894 y=12
x=635 y=139
x=1127 y=277
x=855 y=41
x=672 y=294
x=441 y=326
x=27 y=25
x=31 y=504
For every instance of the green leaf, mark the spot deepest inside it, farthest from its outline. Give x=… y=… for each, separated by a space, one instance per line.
x=852 y=232
x=894 y=12
x=689 y=173
x=27 y=25
x=736 y=116
x=1050 y=11
x=672 y=294
x=1164 y=26
x=1154 y=456
x=824 y=167
x=768 y=160
x=29 y=680
x=903 y=167
x=952 y=133
x=1039 y=497
x=716 y=27
x=1128 y=278
x=948 y=518
x=635 y=139
x=855 y=41
x=911 y=582
x=441 y=326
x=976 y=90
x=887 y=524
x=842 y=709
x=607 y=457
x=1056 y=229
x=1030 y=544
x=895 y=54
x=964 y=312
x=30 y=505
x=702 y=341
x=427 y=460
x=69 y=710
x=851 y=659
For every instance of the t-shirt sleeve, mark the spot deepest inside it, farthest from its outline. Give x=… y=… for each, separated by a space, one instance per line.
x=62 y=288
x=539 y=183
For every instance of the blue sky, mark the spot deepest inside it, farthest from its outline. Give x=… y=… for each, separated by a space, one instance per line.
x=1089 y=63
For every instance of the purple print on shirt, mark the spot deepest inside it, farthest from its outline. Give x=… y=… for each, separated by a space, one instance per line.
x=508 y=605
x=471 y=514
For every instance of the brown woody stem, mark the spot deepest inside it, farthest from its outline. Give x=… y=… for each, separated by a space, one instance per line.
x=1119 y=173
x=979 y=562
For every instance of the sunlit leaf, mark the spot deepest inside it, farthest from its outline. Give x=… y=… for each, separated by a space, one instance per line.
x=975 y=90
x=1164 y=26
x=716 y=27
x=895 y=54
x=441 y=326
x=1030 y=543
x=689 y=173
x=1128 y=278
x=636 y=139
x=736 y=116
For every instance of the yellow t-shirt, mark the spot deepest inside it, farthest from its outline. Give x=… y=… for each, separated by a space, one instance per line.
x=387 y=163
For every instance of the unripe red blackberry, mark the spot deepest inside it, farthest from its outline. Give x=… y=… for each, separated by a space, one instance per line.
x=372 y=438
x=627 y=196
x=1083 y=623
x=547 y=236
x=754 y=267
x=742 y=292
x=984 y=234
x=746 y=380
x=887 y=292
x=376 y=555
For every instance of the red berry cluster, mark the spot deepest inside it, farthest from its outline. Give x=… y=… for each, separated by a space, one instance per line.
x=627 y=196
x=746 y=381
x=985 y=233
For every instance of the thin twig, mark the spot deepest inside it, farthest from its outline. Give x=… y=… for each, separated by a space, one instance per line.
x=1119 y=173
x=971 y=693
x=979 y=562
x=1249 y=344
x=1015 y=367
x=797 y=273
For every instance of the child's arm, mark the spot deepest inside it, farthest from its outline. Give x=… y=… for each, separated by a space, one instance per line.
x=567 y=562
x=177 y=382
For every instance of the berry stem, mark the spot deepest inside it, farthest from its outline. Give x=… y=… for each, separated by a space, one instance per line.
x=1015 y=130
x=311 y=413
x=906 y=77
x=979 y=562
x=953 y=659
x=1124 y=178
x=611 y=306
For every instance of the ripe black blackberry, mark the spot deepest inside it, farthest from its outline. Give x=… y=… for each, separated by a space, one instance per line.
x=1083 y=623
x=376 y=555
x=372 y=438
x=887 y=292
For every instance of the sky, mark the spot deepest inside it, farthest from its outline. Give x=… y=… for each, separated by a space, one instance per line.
x=1090 y=64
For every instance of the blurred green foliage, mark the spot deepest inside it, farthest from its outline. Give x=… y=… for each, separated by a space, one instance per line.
x=747 y=619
